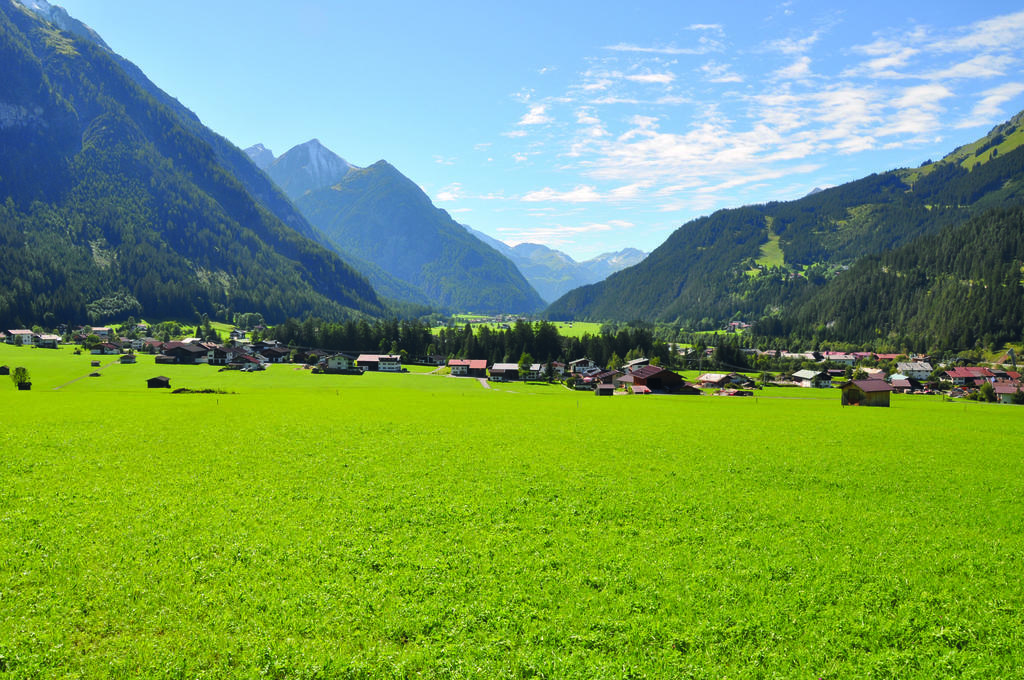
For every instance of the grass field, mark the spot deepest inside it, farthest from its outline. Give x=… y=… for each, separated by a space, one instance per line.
x=313 y=526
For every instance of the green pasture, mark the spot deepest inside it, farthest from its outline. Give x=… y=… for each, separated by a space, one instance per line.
x=415 y=525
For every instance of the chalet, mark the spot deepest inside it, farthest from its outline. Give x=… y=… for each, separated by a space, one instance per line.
x=105 y=348
x=245 y=362
x=655 y=378
x=276 y=355
x=713 y=380
x=969 y=375
x=537 y=370
x=904 y=384
x=1006 y=391
x=918 y=370
x=604 y=390
x=339 y=364
x=866 y=393
x=218 y=355
x=21 y=336
x=472 y=368
x=388 y=363
x=841 y=358
x=505 y=371
x=582 y=366
x=101 y=332
x=158 y=382
x=811 y=378
x=184 y=353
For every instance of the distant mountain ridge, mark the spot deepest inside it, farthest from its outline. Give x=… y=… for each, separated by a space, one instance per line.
x=554 y=273
x=117 y=200
x=302 y=168
x=382 y=223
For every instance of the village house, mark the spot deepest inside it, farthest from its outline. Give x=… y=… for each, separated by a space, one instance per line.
x=918 y=370
x=505 y=371
x=339 y=363
x=841 y=358
x=48 y=341
x=969 y=375
x=537 y=370
x=276 y=355
x=218 y=355
x=105 y=348
x=101 y=332
x=812 y=378
x=652 y=378
x=1006 y=391
x=21 y=335
x=182 y=353
x=468 y=368
x=582 y=366
x=636 y=363
x=866 y=393
x=388 y=363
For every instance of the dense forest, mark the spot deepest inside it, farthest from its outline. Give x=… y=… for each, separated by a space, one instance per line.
x=960 y=288
x=110 y=205
x=540 y=340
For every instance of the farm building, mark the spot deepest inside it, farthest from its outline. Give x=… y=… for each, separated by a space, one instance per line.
x=158 y=382
x=390 y=363
x=339 y=363
x=5 y=370
x=505 y=372
x=184 y=353
x=654 y=378
x=604 y=390
x=473 y=368
x=812 y=378
x=866 y=393
x=127 y=359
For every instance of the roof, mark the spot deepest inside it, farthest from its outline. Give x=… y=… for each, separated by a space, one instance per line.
x=969 y=372
x=641 y=389
x=713 y=377
x=809 y=374
x=186 y=346
x=905 y=366
x=505 y=367
x=869 y=385
x=1006 y=388
x=648 y=371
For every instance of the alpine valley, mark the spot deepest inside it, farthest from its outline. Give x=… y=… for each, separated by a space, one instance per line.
x=116 y=200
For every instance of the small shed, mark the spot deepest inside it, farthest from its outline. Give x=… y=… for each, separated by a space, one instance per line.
x=5 y=370
x=158 y=382
x=866 y=393
x=604 y=390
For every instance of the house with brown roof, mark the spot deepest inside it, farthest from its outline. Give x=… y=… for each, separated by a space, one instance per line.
x=654 y=378
x=866 y=393
x=183 y=353
x=48 y=341
x=388 y=363
x=1006 y=391
x=468 y=368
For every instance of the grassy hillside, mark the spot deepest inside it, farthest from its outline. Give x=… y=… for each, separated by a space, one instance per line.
x=376 y=540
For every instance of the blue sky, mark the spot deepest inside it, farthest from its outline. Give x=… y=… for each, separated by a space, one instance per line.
x=588 y=126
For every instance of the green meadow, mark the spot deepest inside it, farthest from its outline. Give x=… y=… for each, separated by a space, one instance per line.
x=416 y=525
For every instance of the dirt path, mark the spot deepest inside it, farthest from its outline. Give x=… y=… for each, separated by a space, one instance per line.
x=95 y=369
x=483 y=381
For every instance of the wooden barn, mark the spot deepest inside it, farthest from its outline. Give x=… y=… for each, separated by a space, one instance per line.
x=158 y=382
x=866 y=393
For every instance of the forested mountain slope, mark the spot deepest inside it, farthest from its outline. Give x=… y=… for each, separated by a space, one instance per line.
x=759 y=260
x=113 y=205
x=381 y=216
x=951 y=290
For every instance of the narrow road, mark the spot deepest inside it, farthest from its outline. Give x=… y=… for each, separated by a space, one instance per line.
x=483 y=381
x=95 y=369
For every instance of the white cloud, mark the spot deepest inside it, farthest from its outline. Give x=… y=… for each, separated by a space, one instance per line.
x=537 y=115
x=1000 y=33
x=801 y=68
x=579 y=194
x=981 y=66
x=990 y=107
x=720 y=73
x=520 y=157
x=452 y=192
x=706 y=45
x=659 y=78
x=444 y=160
x=794 y=46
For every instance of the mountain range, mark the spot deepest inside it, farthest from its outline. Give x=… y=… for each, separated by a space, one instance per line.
x=554 y=273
